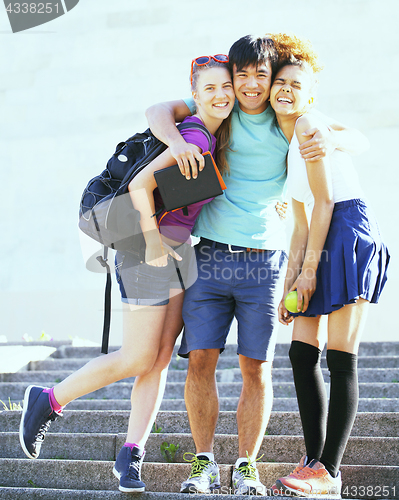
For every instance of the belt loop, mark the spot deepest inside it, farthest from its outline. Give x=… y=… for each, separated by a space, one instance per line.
x=234 y=251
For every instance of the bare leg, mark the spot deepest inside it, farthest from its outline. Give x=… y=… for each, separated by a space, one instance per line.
x=142 y=328
x=310 y=331
x=254 y=406
x=148 y=389
x=201 y=396
x=345 y=326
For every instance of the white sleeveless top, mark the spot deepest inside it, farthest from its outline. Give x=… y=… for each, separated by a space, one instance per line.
x=345 y=182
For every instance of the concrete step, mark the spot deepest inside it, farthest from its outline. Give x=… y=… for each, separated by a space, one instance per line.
x=65 y=349
x=94 y=446
x=97 y=475
x=389 y=375
x=366 y=349
x=178 y=363
x=226 y=404
x=175 y=390
x=92 y=352
x=51 y=494
x=82 y=454
x=280 y=423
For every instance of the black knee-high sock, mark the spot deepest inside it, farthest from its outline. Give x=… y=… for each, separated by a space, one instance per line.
x=311 y=395
x=344 y=397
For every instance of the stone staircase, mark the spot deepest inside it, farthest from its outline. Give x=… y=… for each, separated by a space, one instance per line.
x=77 y=458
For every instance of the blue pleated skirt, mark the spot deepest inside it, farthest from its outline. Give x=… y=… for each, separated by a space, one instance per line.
x=354 y=261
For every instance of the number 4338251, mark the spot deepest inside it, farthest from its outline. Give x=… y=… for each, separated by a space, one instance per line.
x=32 y=8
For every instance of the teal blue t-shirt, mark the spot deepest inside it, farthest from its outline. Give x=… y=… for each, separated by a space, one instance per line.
x=245 y=213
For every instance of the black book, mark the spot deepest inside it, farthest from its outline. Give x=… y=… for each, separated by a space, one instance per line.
x=178 y=192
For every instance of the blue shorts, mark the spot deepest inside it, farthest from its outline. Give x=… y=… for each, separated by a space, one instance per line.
x=354 y=260
x=247 y=285
x=145 y=285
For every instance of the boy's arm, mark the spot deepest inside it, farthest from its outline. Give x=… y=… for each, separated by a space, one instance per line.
x=320 y=144
x=162 y=120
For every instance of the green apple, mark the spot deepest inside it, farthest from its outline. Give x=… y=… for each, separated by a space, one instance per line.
x=291 y=302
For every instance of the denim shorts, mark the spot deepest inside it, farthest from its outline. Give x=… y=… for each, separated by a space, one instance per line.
x=142 y=284
x=247 y=285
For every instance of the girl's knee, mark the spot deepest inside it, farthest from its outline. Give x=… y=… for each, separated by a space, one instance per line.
x=340 y=361
x=164 y=356
x=303 y=355
x=134 y=366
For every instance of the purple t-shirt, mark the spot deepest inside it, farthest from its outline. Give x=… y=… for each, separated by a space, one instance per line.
x=175 y=225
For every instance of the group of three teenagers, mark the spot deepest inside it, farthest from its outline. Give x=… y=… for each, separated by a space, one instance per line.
x=241 y=221
x=252 y=149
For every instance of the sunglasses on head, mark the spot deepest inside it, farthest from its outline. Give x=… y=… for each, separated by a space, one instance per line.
x=203 y=60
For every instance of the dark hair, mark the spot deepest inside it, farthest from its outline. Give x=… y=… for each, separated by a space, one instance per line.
x=253 y=51
x=291 y=60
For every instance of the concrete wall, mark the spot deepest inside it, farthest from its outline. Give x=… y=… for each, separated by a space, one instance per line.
x=73 y=88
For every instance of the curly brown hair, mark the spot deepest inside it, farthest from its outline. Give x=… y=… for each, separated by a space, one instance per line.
x=291 y=47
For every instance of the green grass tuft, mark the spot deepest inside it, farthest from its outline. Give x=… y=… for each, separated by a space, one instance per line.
x=169 y=451
x=12 y=406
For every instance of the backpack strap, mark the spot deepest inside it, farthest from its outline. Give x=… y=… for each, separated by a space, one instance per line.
x=107 y=302
x=197 y=126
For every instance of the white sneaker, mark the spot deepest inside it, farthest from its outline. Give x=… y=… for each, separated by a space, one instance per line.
x=245 y=480
x=204 y=476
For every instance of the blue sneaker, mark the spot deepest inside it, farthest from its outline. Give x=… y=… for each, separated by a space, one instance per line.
x=37 y=416
x=127 y=469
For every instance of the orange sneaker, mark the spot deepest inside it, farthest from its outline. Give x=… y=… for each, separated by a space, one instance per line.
x=279 y=491
x=311 y=481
